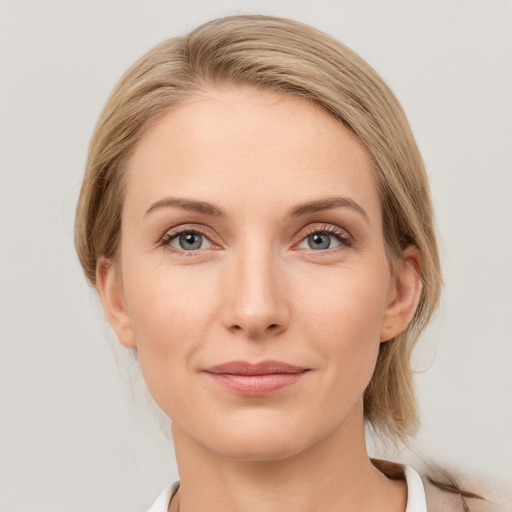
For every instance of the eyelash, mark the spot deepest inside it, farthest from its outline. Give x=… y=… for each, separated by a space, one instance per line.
x=341 y=236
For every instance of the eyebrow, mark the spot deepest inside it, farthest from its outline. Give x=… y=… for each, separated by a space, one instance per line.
x=297 y=211
x=188 y=204
x=327 y=204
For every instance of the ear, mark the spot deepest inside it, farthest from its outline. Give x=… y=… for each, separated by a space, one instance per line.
x=403 y=296
x=110 y=289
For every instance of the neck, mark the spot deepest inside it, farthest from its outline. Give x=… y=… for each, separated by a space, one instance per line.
x=333 y=475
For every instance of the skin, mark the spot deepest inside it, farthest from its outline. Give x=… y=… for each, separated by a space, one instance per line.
x=255 y=290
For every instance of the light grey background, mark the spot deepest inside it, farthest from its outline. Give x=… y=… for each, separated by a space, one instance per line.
x=69 y=438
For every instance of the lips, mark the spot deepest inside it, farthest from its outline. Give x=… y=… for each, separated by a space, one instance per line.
x=255 y=379
x=263 y=368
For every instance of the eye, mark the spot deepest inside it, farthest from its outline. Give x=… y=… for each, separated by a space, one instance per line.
x=186 y=240
x=327 y=237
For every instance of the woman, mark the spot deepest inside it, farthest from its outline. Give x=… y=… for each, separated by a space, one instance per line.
x=256 y=218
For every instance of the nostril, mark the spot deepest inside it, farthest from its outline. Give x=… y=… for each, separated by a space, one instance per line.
x=256 y=330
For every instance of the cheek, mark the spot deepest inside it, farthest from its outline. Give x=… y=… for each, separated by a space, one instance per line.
x=170 y=314
x=344 y=320
x=346 y=304
x=171 y=317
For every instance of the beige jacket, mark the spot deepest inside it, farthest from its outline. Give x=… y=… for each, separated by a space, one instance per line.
x=497 y=496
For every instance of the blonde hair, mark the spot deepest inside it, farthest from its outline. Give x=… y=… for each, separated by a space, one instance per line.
x=292 y=58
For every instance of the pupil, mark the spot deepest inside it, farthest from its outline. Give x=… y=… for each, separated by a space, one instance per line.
x=319 y=241
x=190 y=241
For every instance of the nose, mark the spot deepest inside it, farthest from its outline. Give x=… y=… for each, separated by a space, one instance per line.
x=256 y=302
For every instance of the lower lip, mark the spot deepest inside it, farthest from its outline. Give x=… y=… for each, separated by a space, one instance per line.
x=256 y=385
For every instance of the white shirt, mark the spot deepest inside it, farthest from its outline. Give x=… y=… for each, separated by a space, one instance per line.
x=416 y=500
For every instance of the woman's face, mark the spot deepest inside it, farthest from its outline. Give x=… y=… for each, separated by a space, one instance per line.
x=253 y=277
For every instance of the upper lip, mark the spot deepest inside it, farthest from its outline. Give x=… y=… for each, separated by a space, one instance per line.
x=262 y=368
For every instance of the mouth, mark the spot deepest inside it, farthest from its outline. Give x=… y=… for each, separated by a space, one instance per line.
x=255 y=379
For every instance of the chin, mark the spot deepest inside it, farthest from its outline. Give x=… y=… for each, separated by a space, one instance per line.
x=259 y=449
x=263 y=441
x=265 y=433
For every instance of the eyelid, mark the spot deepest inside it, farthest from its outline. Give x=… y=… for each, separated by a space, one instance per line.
x=323 y=226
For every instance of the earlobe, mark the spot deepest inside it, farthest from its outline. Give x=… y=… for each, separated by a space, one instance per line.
x=109 y=285
x=405 y=290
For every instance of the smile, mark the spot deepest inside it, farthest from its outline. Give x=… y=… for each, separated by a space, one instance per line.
x=255 y=379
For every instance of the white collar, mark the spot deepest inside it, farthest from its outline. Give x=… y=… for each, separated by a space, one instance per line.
x=416 y=499
x=162 y=502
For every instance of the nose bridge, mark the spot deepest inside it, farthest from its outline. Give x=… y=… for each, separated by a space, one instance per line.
x=256 y=304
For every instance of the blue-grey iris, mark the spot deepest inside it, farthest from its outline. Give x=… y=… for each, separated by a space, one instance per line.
x=190 y=241
x=319 y=241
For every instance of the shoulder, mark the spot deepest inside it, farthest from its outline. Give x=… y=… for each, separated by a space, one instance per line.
x=496 y=495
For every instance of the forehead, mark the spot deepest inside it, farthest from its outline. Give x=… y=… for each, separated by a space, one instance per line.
x=251 y=145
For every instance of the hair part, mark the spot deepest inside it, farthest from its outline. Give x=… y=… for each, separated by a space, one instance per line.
x=291 y=58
